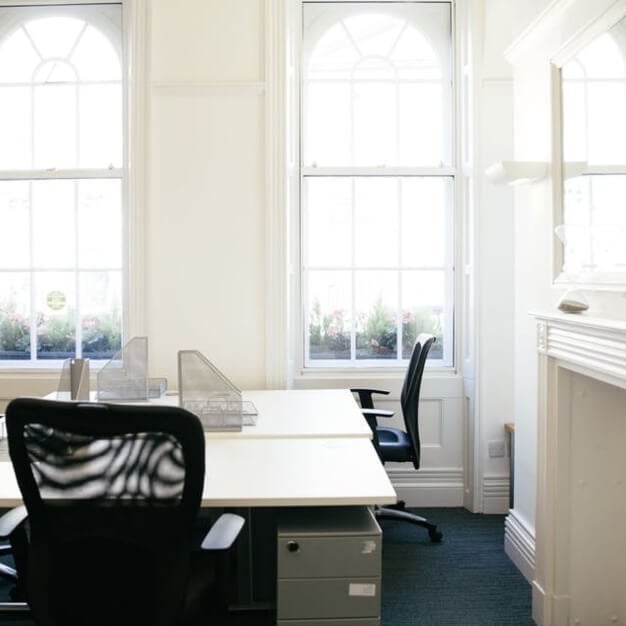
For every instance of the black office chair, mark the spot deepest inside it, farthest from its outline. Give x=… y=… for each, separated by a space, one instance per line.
x=394 y=444
x=112 y=494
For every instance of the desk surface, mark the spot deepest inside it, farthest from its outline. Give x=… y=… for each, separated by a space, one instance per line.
x=294 y=472
x=277 y=472
x=294 y=413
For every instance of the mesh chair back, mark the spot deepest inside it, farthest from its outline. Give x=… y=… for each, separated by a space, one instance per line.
x=112 y=494
x=409 y=397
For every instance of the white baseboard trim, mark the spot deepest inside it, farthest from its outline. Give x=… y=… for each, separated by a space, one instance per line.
x=519 y=544
x=428 y=487
x=495 y=494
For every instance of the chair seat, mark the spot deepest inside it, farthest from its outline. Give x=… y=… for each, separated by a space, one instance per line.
x=394 y=444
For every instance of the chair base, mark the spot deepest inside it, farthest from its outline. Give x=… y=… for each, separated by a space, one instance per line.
x=398 y=512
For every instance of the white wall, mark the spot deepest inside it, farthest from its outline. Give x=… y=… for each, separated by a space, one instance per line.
x=205 y=234
x=501 y=22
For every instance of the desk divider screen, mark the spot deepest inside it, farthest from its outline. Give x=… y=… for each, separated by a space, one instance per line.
x=210 y=395
x=74 y=380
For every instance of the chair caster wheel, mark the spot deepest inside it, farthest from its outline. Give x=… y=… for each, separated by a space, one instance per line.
x=435 y=536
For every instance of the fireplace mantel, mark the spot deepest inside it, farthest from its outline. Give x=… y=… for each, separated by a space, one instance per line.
x=594 y=347
x=580 y=542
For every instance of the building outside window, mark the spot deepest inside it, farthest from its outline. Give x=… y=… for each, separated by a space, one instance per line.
x=377 y=181
x=61 y=181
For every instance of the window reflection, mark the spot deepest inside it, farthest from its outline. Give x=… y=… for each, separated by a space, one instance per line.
x=594 y=153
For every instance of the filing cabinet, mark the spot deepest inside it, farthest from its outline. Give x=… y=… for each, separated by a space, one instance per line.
x=328 y=567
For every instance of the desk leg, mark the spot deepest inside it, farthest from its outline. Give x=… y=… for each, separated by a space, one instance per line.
x=255 y=556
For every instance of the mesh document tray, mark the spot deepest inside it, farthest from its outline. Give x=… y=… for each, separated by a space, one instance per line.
x=207 y=393
x=125 y=376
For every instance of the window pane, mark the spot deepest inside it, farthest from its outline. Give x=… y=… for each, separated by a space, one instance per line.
x=329 y=321
x=54 y=126
x=607 y=123
x=14 y=316
x=95 y=58
x=374 y=124
x=18 y=57
x=55 y=303
x=15 y=128
x=100 y=224
x=101 y=314
x=54 y=36
x=376 y=315
x=426 y=205
x=376 y=222
x=328 y=127
x=328 y=222
x=423 y=298
x=595 y=224
x=14 y=215
x=54 y=234
x=100 y=126
x=423 y=116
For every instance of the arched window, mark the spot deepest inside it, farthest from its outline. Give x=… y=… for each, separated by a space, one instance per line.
x=61 y=164
x=377 y=181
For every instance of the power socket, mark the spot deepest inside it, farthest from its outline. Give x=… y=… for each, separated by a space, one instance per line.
x=496 y=449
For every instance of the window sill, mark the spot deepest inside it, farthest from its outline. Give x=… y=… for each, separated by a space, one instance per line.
x=438 y=382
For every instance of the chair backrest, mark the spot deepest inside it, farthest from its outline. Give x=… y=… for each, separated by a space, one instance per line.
x=112 y=494
x=409 y=397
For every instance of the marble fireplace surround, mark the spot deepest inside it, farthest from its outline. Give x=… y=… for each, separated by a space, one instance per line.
x=580 y=541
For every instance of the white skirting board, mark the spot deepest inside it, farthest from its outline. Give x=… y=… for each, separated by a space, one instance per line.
x=519 y=544
x=428 y=487
x=495 y=494
x=444 y=487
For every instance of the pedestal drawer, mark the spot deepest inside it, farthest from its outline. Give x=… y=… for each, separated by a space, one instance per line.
x=328 y=598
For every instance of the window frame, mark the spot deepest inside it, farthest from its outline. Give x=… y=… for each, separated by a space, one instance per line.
x=134 y=16
x=450 y=364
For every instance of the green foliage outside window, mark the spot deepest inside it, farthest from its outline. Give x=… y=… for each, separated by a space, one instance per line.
x=376 y=336
x=101 y=334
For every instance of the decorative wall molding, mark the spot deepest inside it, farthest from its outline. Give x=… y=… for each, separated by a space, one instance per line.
x=209 y=88
x=276 y=223
x=519 y=544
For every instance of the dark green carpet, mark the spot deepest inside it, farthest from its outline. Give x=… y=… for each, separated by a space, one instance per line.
x=466 y=580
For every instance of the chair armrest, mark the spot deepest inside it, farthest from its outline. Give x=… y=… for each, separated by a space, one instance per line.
x=11 y=520
x=223 y=533
x=376 y=413
x=365 y=395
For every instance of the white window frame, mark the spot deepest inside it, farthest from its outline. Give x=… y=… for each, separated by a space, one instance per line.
x=302 y=363
x=132 y=173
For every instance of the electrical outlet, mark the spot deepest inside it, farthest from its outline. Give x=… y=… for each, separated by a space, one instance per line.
x=496 y=448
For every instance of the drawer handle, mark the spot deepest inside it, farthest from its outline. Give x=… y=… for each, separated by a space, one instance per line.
x=293 y=546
